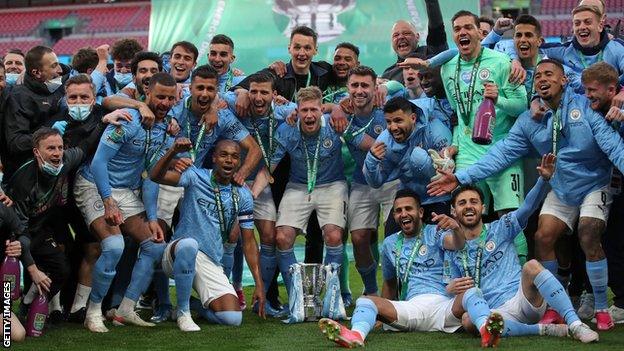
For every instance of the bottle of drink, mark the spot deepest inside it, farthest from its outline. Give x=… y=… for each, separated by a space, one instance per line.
x=485 y=120
x=37 y=316
x=10 y=272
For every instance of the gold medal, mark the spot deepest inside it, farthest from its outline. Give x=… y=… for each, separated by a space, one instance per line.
x=144 y=175
x=467 y=131
x=271 y=179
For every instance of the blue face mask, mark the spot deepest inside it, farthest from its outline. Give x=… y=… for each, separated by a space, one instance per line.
x=54 y=84
x=11 y=78
x=50 y=169
x=123 y=79
x=79 y=112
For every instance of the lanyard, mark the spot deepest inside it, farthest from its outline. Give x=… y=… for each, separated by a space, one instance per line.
x=476 y=274
x=229 y=80
x=312 y=167
x=193 y=151
x=402 y=282
x=348 y=136
x=556 y=128
x=582 y=58
x=223 y=226
x=294 y=97
x=466 y=110
x=331 y=92
x=266 y=155
x=149 y=161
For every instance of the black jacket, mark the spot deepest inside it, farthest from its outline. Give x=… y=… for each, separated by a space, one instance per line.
x=287 y=86
x=436 y=41
x=28 y=107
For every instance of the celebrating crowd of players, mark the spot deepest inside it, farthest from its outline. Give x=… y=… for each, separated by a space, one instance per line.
x=162 y=168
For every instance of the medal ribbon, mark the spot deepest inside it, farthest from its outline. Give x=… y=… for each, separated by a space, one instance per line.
x=348 y=136
x=476 y=274
x=466 y=109
x=402 y=282
x=266 y=155
x=312 y=167
x=193 y=151
x=223 y=226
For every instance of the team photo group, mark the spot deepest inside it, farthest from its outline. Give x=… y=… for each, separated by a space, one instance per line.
x=465 y=182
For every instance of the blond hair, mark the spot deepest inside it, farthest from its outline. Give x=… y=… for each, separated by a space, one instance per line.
x=600 y=72
x=309 y=93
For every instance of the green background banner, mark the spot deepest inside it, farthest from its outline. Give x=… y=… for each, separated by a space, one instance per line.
x=260 y=28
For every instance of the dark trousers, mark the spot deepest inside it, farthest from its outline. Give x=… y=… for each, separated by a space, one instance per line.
x=613 y=244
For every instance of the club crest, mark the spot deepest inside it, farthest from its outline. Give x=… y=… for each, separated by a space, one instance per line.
x=490 y=246
x=327 y=143
x=575 y=114
x=484 y=74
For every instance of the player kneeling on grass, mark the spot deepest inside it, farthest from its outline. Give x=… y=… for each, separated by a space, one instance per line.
x=210 y=207
x=487 y=262
x=413 y=293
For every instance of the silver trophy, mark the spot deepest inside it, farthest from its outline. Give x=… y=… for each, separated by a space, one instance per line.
x=313 y=282
x=320 y=15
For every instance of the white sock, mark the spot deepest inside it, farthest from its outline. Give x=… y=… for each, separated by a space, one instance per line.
x=126 y=306
x=55 y=302
x=81 y=297
x=94 y=309
x=30 y=295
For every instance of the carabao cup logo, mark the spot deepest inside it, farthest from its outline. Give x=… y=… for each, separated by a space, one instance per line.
x=39 y=321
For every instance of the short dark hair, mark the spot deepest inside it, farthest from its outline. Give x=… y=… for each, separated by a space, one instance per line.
x=145 y=56
x=85 y=59
x=305 y=31
x=553 y=61
x=222 y=39
x=463 y=13
x=406 y=192
x=261 y=78
x=487 y=20
x=345 y=45
x=43 y=133
x=81 y=78
x=398 y=103
x=363 y=71
x=33 y=57
x=530 y=20
x=162 y=78
x=16 y=52
x=463 y=188
x=205 y=72
x=188 y=46
x=125 y=49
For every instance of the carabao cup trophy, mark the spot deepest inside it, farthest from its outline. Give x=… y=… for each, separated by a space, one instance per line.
x=320 y=15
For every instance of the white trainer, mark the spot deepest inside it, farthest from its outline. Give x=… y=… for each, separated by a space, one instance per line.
x=582 y=332
x=130 y=318
x=617 y=314
x=95 y=324
x=186 y=323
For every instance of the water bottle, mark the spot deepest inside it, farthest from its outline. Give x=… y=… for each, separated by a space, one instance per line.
x=37 y=316
x=10 y=272
x=485 y=120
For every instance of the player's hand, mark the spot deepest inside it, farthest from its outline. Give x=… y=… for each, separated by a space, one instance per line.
x=444 y=222
x=182 y=164
x=147 y=116
x=5 y=199
x=211 y=117
x=182 y=145
x=346 y=106
x=40 y=279
x=618 y=99
x=615 y=114
x=237 y=72
x=157 y=233
x=380 y=95
x=547 y=168
x=279 y=68
x=280 y=100
x=102 y=52
x=449 y=151
x=173 y=127
x=338 y=120
x=292 y=118
x=443 y=185
x=378 y=150
x=116 y=117
x=242 y=103
x=259 y=298
x=538 y=110
x=502 y=25
x=459 y=285
x=239 y=177
x=491 y=91
x=112 y=214
x=413 y=62
x=13 y=248
x=517 y=75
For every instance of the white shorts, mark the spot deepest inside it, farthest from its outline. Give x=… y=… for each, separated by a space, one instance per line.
x=264 y=206
x=329 y=201
x=91 y=206
x=210 y=281
x=427 y=312
x=520 y=309
x=595 y=205
x=365 y=203
x=168 y=199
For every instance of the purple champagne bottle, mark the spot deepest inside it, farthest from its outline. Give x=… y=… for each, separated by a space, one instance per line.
x=10 y=272
x=485 y=120
x=37 y=316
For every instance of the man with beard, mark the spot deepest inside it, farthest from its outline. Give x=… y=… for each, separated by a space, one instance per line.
x=581 y=183
x=486 y=267
x=107 y=195
x=435 y=104
x=13 y=65
x=601 y=86
x=265 y=119
x=212 y=205
x=220 y=57
x=413 y=294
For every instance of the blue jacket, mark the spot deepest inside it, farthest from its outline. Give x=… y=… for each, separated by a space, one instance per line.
x=585 y=148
